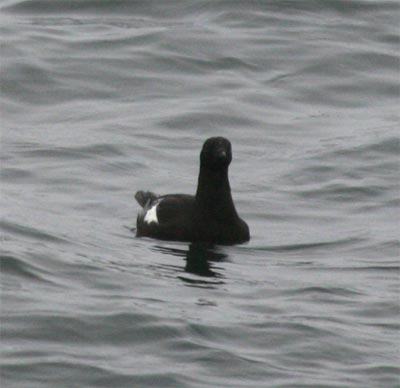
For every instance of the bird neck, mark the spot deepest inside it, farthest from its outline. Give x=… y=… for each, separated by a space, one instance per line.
x=214 y=193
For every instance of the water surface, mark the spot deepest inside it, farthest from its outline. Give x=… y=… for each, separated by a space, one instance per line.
x=100 y=99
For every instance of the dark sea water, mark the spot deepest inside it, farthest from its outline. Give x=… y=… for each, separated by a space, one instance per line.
x=103 y=98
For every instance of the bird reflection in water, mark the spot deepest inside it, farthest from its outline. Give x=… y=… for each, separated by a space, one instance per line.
x=200 y=260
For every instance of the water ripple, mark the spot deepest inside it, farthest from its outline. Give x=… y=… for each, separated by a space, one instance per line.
x=30 y=232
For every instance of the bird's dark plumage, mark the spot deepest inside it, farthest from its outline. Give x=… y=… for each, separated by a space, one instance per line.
x=209 y=216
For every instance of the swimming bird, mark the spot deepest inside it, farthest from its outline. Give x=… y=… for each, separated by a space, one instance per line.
x=209 y=216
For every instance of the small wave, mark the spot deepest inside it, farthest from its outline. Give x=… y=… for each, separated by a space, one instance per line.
x=335 y=291
x=358 y=174
x=15 y=174
x=85 y=152
x=351 y=161
x=197 y=119
x=12 y=265
x=48 y=6
x=388 y=146
x=20 y=82
x=102 y=328
x=340 y=192
x=342 y=7
x=29 y=232
x=375 y=268
x=312 y=246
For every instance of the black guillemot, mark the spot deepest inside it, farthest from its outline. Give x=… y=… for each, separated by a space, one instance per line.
x=209 y=216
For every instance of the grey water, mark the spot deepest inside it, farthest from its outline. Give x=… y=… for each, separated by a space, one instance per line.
x=100 y=99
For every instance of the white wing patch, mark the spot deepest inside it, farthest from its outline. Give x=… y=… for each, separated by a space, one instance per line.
x=151 y=215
